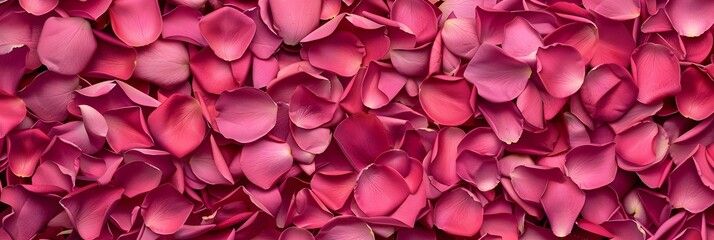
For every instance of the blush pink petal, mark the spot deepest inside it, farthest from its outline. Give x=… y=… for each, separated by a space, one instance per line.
x=136 y=22
x=88 y=208
x=182 y=24
x=608 y=92
x=380 y=190
x=592 y=166
x=656 y=72
x=295 y=19
x=446 y=100
x=504 y=118
x=424 y=27
x=165 y=210
x=689 y=17
x=264 y=161
x=579 y=35
x=127 y=129
x=686 y=189
x=38 y=7
x=86 y=9
x=308 y=110
x=562 y=202
x=63 y=39
x=248 y=121
x=696 y=101
x=112 y=59
x=209 y=165
x=197 y=4
x=641 y=146
x=381 y=84
x=362 y=138
x=458 y=212
x=531 y=105
x=164 y=63
x=137 y=178
x=342 y=45
x=444 y=155
x=498 y=76
x=615 y=10
x=460 y=37
x=49 y=94
x=637 y=113
x=478 y=170
x=14 y=112
x=561 y=69
x=228 y=32
x=24 y=150
x=179 y=117
x=345 y=227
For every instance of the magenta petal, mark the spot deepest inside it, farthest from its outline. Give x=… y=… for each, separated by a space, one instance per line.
x=228 y=32
x=48 y=95
x=562 y=202
x=136 y=22
x=446 y=100
x=127 y=129
x=345 y=227
x=32 y=211
x=641 y=146
x=520 y=39
x=458 y=212
x=296 y=233
x=481 y=171
x=112 y=59
x=308 y=110
x=362 y=138
x=264 y=161
x=482 y=141
x=592 y=166
x=179 y=117
x=579 y=35
x=265 y=42
x=613 y=9
x=165 y=210
x=256 y=110
x=381 y=84
x=444 y=155
x=164 y=63
x=86 y=9
x=561 y=70
x=695 y=101
x=182 y=24
x=608 y=92
x=505 y=120
x=342 y=45
x=88 y=208
x=63 y=39
x=411 y=62
x=380 y=190
x=137 y=178
x=24 y=150
x=600 y=205
x=213 y=74
x=209 y=165
x=333 y=190
x=460 y=37
x=197 y=4
x=293 y=20
x=530 y=181
x=424 y=27
x=689 y=17
x=38 y=7
x=686 y=189
x=498 y=76
x=656 y=72
x=615 y=43
x=13 y=67
x=14 y=112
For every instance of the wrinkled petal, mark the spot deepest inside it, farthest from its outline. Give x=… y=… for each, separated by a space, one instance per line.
x=66 y=38
x=497 y=76
x=256 y=110
x=228 y=32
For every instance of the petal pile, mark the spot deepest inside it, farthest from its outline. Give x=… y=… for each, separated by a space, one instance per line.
x=356 y=119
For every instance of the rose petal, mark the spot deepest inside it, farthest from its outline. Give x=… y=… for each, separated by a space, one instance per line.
x=689 y=17
x=182 y=24
x=424 y=27
x=615 y=10
x=686 y=189
x=592 y=166
x=309 y=111
x=380 y=190
x=264 y=161
x=165 y=210
x=341 y=45
x=562 y=202
x=228 y=32
x=66 y=38
x=13 y=67
x=88 y=208
x=443 y=163
x=505 y=120
x=362 y=138
x=24 y=150
x=458 y=212
x=560 y=69
x=296 y=233
x=656 y=72
x=209 y=165
x=14 y=112
x=32 y=211
x=615 y=43
x=127 y=129
x=135 y=22
x=579 y=35
x=164 y=63
x=256 y=110
x=460 y=36
x=86 y=9
x=137 y=178
x=608 y=92
x=497 y=76
x=520 y=39
x=112 y=59
x=38 y=7
x=641 y=146
x=295 y=19
x=345 y=227
x=694 y=102
x=48 y=95
x=381 y=84
x=446 y=100
x=480 y=171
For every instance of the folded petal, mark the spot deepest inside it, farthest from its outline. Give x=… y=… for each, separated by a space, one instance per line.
x=686 y=189
x=641 y=146
x=443 y=163
x=562 y=202
x=333 y=190
x=182 y=24
x=137 y=178
x=615 y=43
x=504 y=118
x=615 y=10
x=381 y=84
x=345 y=227
x=530 y=181
x=561 y=69
x=411 y=62
x=362 y=138
x=695 y=102
x=265 y=42
x=343 y=45
x=579 y=35
x=478 y=170
x=460 y=36
x=228 y=32
x=424 y=27
x=293 y=20
x=164 y=63
x=165 y=210
x=209 y=165
x=592 y=166
x=497 y=76
x=38 y=7
x=380 y=190
x=483 y=141
x=112 y=59
x=48 y=95
x=31 y=211
x=309 y=111
x=85 y=9
x=66 y=45
x=136 y=22
x=458 y=212
x=127 y=129
x=14 y=112
x=88 y=208
x=689 y=17
x=656 y=72
x=12 y=64
x=296 y=233
x=446 y=100
x=24 y=150
x=264 y=161
x=248 y=121
x=608 y=92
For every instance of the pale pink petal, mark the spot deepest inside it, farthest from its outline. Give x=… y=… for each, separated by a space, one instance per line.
x=248 y=121
x=164 y=63
x=458 y=212
x=14 y=112
x=66 y=45
x=343 y=45
x=424 y=27
x=127 y=129
x=228 y=32
x=380 y=190
x=38 y=7
x=209 y=165
x=362 y=138
x=562 y=202
x=345 y=227
x=86 y=9
x=135 y=22
x=165 y=210
x=480 y=171
x=295 y=19
x=179 y=117
x=686 y=189
x=579 y=35
x=137 y=178
x=592 y=166
x=24 y=150
x=182 y=24
x=695 y=101
x=608 y=92
x=112 y=59
x=656 y=72
x=446 y=100
x=88 y=208
x=641 y=146
x=504 y=118
x=689 y=17
x=444 y=154
x=308 y=110
x=561 y=69
x=613 y=9
x=460 y=36
x=264 y=161
x=497 y=76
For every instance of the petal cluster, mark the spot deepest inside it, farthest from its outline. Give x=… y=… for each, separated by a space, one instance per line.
x=356 y=119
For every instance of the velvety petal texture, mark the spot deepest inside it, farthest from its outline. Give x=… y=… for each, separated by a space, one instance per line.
x=248 y=121
x=66 y=38
x=497 y=76
x=228 y=32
